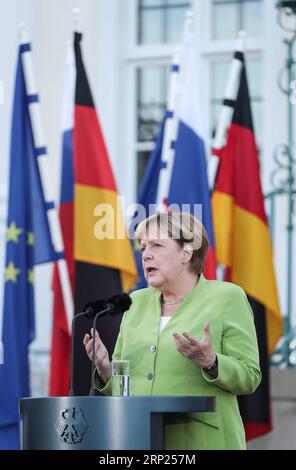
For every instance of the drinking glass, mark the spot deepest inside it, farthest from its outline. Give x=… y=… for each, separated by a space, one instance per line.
x=120 y=378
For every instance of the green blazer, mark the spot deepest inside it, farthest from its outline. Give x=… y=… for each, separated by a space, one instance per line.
x=157 y=368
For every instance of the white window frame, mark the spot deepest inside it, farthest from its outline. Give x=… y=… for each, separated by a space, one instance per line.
x=136 y=56
x=144 y=55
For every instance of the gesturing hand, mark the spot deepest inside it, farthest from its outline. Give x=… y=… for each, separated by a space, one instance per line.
x=102 y=361
x=198 y=351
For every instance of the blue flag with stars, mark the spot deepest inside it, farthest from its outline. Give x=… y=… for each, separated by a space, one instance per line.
x=28 y=242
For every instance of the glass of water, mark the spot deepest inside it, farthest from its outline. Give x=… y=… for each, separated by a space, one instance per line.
x=120 y=378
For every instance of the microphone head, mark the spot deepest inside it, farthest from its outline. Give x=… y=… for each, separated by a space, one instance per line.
x=92 y=308
x=119 y=303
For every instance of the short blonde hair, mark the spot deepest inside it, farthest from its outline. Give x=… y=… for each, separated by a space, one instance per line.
x=183 y=227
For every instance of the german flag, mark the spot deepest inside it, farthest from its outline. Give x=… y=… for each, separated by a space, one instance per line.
x=243 y=245
x=104 y=264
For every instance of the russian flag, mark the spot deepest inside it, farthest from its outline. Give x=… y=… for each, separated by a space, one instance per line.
x=59 y=382
x=187 y=172
x=189 y=180
x=148 y=195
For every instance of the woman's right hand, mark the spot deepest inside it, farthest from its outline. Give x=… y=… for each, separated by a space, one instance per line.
x=102 y=361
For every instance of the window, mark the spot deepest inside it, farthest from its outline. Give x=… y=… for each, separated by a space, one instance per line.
x=161 y=21
x=142 y=160
x=158 y=22
x=152 y=83
x=230 y=16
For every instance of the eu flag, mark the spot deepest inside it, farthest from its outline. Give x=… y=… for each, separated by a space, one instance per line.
x=28 y=242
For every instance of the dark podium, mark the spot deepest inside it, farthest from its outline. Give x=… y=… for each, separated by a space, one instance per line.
x=106 y=423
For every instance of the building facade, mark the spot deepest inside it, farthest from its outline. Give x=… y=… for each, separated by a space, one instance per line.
x=128 y=47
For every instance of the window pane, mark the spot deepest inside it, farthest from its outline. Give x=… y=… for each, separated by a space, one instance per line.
x=161 y=21
x=229 y=16
x=252 y=17
x=225 y=20
x=175 y=23
x=253 y=68
x=219 y=74
x=142 y=160
x=151 y=26
x=152 y=94
x=257 y=119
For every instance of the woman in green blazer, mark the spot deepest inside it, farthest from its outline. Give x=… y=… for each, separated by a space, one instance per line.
x=185 y=335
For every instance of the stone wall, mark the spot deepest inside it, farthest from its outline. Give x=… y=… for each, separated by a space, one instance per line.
x=283 y=436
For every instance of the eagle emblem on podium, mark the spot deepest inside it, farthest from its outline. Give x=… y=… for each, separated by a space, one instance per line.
x=71 y=425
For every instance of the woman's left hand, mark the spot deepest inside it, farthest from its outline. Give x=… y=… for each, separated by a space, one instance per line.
x=198 y=351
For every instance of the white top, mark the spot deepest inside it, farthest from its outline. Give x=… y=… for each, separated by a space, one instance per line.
x=163 y=322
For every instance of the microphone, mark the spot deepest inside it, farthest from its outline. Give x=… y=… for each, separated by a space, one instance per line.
x=92 y=308
x=89 y=310
x=117 y=304
x=114 y=306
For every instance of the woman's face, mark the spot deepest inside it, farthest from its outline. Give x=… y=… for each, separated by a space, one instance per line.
x=162 y=259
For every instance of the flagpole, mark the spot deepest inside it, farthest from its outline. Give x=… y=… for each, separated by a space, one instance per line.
x=44 y=171
x=170 y=133
x=76 y=19
x=226 y=111
x=172 y=115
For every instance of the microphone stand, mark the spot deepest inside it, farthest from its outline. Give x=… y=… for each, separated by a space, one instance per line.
x=73 y=337
x=109 y=308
